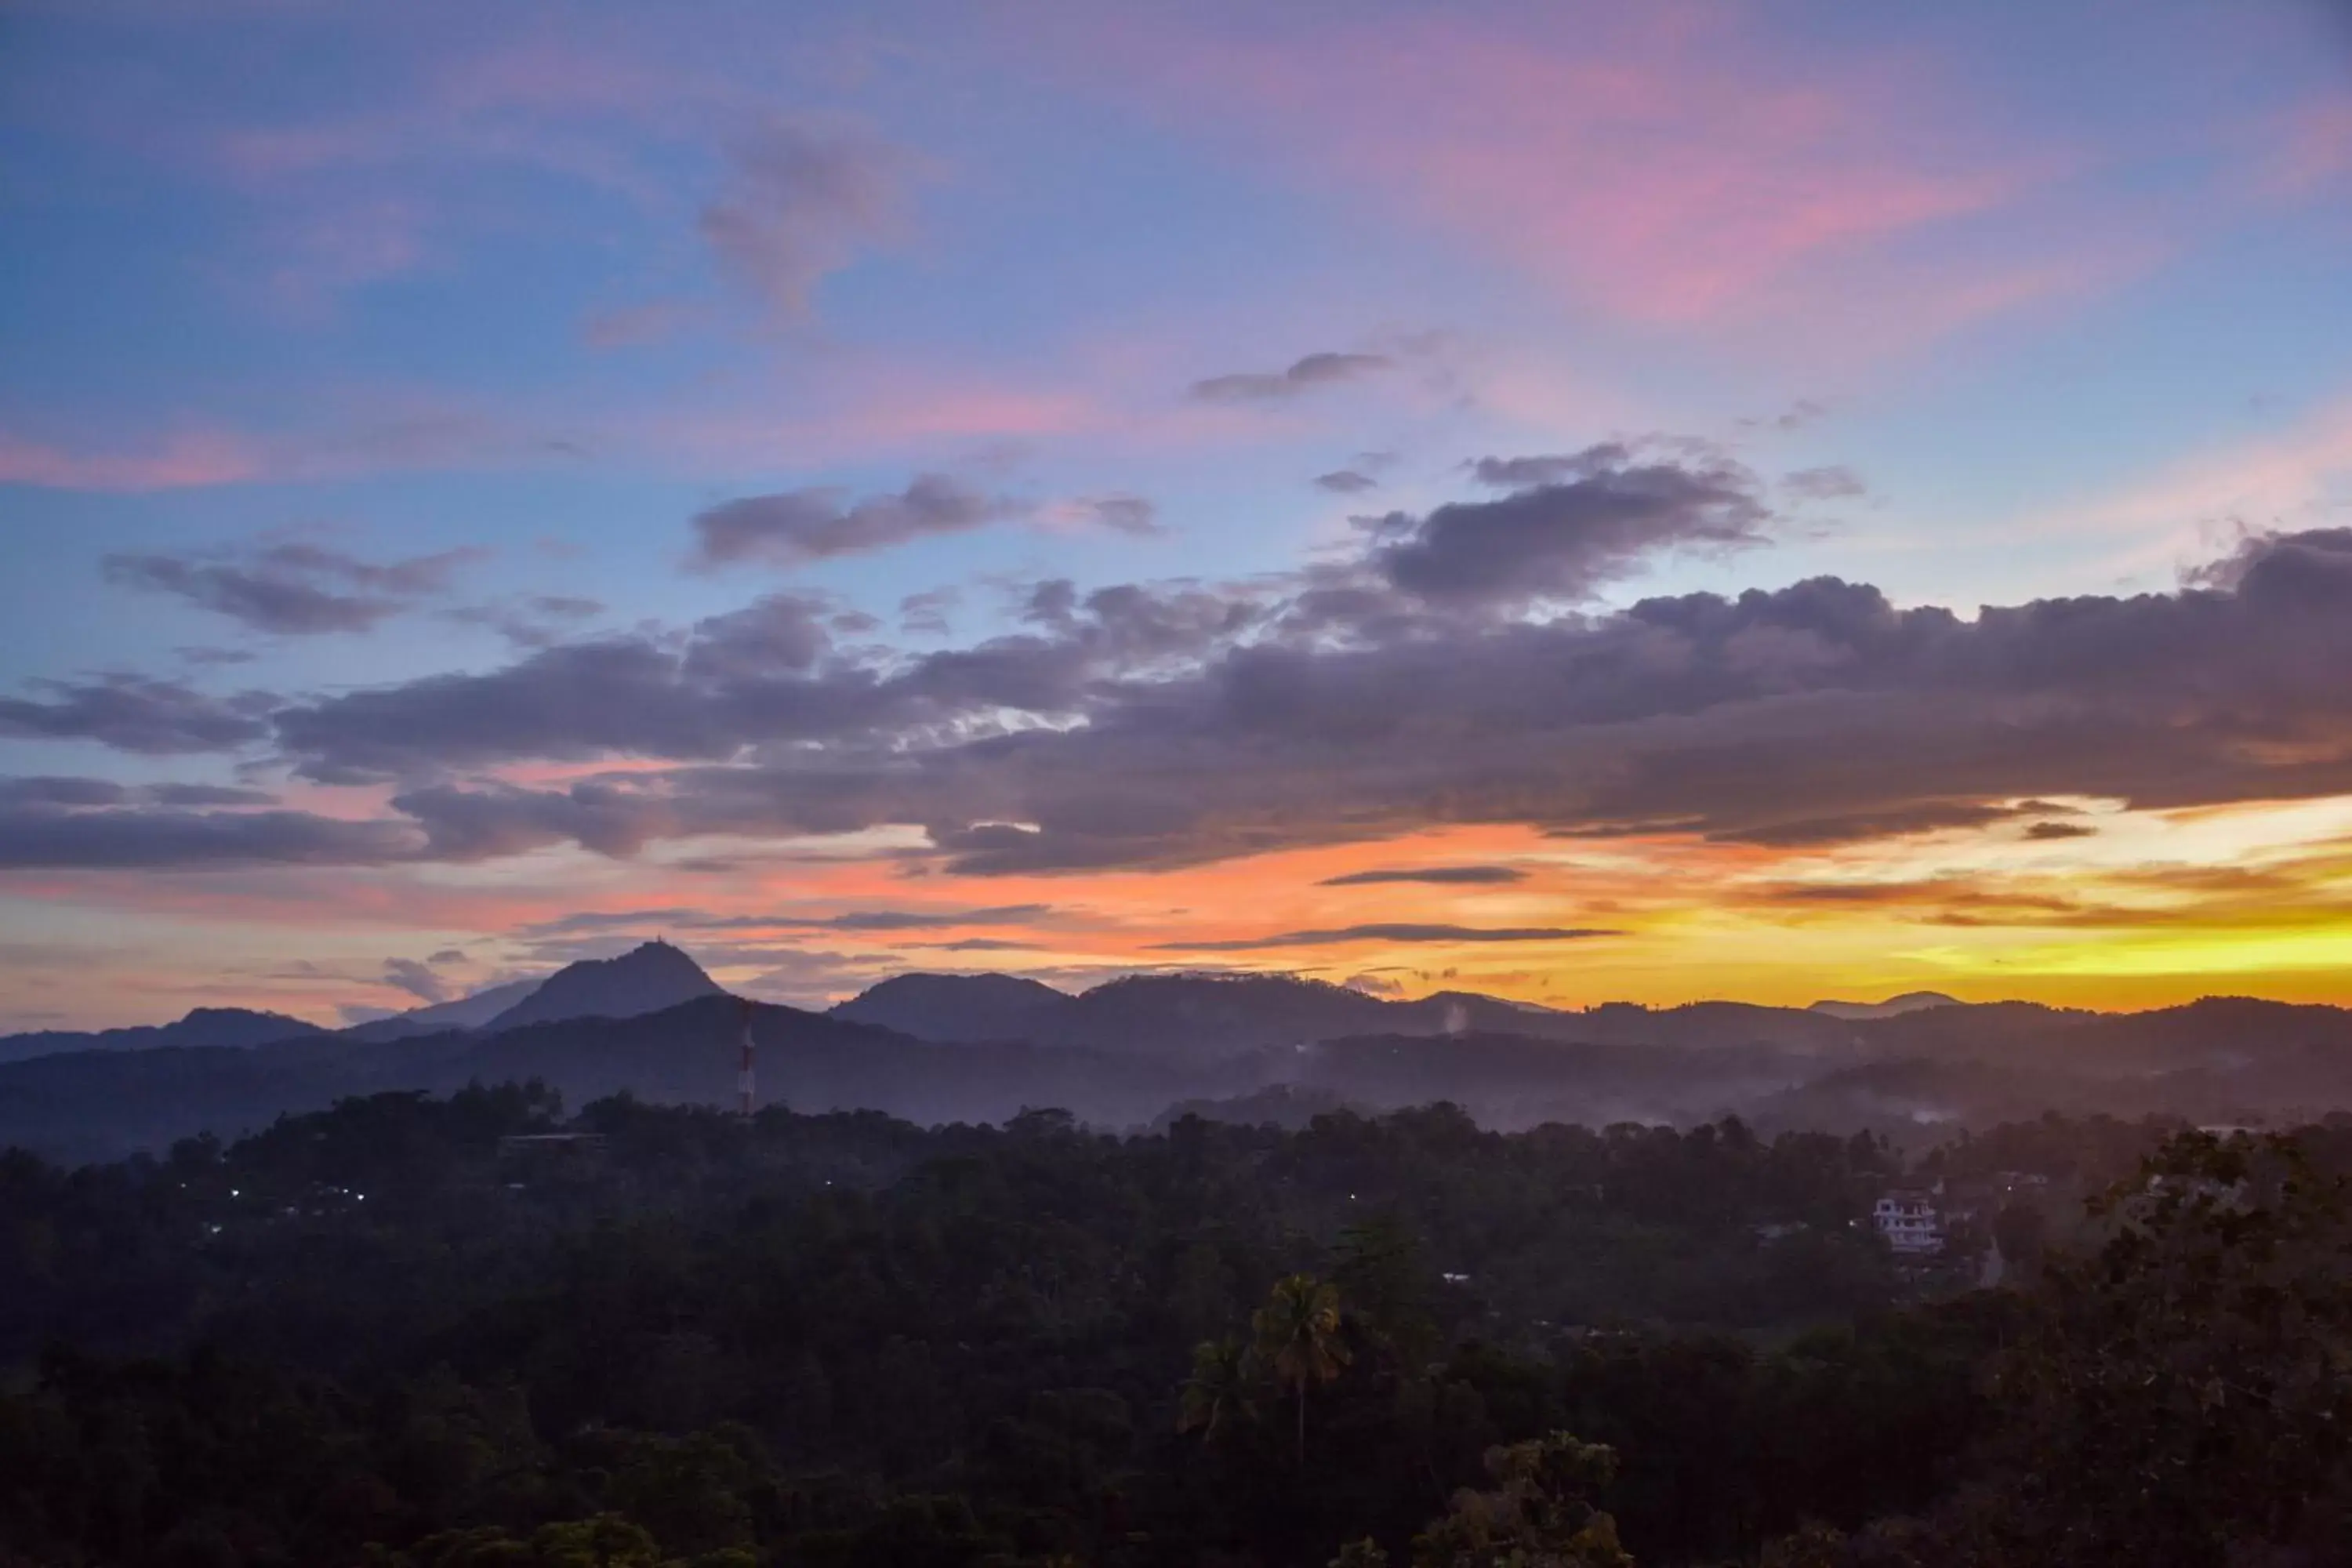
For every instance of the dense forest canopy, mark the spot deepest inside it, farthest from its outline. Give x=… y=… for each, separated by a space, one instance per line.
x=466 y=1331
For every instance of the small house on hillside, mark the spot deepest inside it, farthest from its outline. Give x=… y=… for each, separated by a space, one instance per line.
x=1908 y=1219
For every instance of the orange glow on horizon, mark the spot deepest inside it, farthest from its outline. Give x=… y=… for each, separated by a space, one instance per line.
x=2133 y=910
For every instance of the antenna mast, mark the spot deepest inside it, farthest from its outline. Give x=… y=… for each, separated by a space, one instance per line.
x=746 y=1082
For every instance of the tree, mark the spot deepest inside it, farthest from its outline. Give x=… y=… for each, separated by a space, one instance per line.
x=2020 y=1232
x=1217 y=1396
x=1299 y=1340
x=2184 y=1395
x=1538 y=1515
x=1381 y=1272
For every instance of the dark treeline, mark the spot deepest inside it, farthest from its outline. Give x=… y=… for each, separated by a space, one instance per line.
x=425 y=1331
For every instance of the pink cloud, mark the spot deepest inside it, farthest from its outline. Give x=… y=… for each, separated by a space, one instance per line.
x=880 y=426
x=352 y=197
x=183 y=461
x=875 y=409
x=630 y=326
x=2294 y=478
x=346 y=432
x=2313 y=149
x=1657 y=162
x=328 y=251
x=530 y=101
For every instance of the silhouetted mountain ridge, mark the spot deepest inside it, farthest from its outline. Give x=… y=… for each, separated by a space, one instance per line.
x=469 y=1012
x=238 y=1026
x=1200 y=1015
x=1123 y=1053
x=1210 y=1016
x=1893 y=1008
x=1916 y=1075
x=955 y=1008
x=648 y=978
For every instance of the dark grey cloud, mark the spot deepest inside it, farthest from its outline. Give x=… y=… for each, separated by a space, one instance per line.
x=794 y=528
x=870 y=921
x=207 y=794
x=293 y=588
x=1388 y=933
x=49 y=790
x=1438 y=875
x=1836 y=482
x=926 y=613
x=2048 y=830
x=1924 y=817
x=1137 y=727
x=1565 y=535
x=802 y=200
x=134 y=713
x=1819 y=704
x=2319 y=559
x=417 y=979
x=1345 y=482
x=1548 y=468
x=494 y=821
x=533 y=621
x=1197 y=723
x=767 y=674
x=166 y=839
x=1305 y=375
x=933 y=919
x=1118 y=511
x=752 y=674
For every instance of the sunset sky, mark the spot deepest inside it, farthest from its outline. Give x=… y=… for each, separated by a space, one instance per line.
x=1585 y=503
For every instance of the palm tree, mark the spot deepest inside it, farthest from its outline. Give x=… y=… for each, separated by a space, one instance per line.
x=1298 y=1339
x=1217 y=1394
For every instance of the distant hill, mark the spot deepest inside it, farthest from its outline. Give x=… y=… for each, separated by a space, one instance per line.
x=646 y=979
x=959 y=1007
x=101 y=1105
x=465 y=1012
x=226 y=1027
x=1207 y=1016
x=1210 y=1015
x=1893 y=1008
x=943 y=1048
x=1919 y=1074
x=1177 y=1016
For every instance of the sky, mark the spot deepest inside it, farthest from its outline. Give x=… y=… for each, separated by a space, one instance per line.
x=1585 y=503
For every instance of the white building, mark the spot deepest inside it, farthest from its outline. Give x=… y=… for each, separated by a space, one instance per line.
x=1909 y=1221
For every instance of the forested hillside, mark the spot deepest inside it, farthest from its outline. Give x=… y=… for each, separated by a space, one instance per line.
x=467 y=1331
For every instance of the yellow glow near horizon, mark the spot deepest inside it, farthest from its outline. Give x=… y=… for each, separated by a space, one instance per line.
x=2147 y=908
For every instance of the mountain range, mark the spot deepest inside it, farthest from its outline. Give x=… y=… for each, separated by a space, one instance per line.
x=1186 y=1017
x=201 y=1027
x=937 y=1047
x=646 y=979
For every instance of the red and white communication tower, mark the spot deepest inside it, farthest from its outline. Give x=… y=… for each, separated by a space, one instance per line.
x=746 y=1084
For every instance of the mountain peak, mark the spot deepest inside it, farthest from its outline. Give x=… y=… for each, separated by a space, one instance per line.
x=957 y=1007
x=647 y=978
x=1893 y=1006
x=233 y=1016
